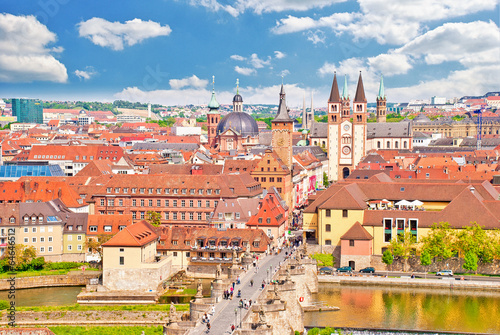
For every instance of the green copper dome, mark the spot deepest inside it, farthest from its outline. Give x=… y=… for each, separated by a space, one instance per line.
x=213 y=104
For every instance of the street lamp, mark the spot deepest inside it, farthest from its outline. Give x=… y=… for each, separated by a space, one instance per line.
x=267 y=276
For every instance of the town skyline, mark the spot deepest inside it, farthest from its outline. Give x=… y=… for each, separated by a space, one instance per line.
x=167 y=52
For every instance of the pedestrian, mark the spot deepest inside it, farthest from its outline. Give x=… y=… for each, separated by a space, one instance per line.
x=208 y=327
x=233 y=284
x=232 y=328
x=263 y=284
x=251 y=283
x=250 y=303
x=213 y=309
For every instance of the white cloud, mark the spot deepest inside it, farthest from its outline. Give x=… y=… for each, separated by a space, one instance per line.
x=388 y=22
x=316 y=37
x=238 y=57
x=192 y=81
x=279 y=55
x=251 y=95
x=246 y=71
x=259 y=63
x=24 y=52
x=263 y=6
x=115 y=35
x=86 y=74
x=390 y=64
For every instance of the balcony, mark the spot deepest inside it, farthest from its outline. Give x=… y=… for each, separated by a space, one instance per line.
x=213 y=260
x=217 y=248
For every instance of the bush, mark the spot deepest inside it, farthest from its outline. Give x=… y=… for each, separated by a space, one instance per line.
x=4 y=304
x=62 y=265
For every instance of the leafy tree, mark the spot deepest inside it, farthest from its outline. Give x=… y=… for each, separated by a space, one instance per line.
x=475 y=239
x=324 y=259
x=425 y=259
x=387 y=257
x=326 y=183
x=404 y=246
x=153 y=218
x=440 y=242
x=470 y=262
x=95 y=243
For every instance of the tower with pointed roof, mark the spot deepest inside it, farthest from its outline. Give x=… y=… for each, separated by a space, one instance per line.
x=381 y=102
x=346 y=131
x=282 y=129
x=213 y=116
x=237 y=99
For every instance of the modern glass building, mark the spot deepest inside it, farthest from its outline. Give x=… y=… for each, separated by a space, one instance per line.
x=27 y=110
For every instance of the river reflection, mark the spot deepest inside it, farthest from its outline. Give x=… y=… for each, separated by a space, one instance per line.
x=46 y=296
x=407 y=308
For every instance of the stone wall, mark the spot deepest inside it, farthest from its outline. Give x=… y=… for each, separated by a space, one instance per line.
x=206 y=270
x=48 y=281
x=360 y=261
x=454 y=264
x=325 y=249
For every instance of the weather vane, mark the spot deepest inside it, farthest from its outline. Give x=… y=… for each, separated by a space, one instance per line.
x=237 y=85
x=213 y=83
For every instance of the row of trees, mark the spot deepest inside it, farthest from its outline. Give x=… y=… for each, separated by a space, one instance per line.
x=473 y=243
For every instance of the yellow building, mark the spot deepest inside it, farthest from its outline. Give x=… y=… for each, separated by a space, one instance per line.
x=386 y=208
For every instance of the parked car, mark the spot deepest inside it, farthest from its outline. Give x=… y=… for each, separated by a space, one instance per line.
x=367 y=270
x=445 y=273
x=344 y=269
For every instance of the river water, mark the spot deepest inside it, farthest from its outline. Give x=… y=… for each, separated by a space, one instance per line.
x=407 y=308
x=47 y=296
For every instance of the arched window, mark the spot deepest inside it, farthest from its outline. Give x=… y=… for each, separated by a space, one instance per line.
x=388 y=144
x=378 y=144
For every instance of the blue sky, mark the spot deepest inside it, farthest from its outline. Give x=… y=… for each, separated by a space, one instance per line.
x=166 y=51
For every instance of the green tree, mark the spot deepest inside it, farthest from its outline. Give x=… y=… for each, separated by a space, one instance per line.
x=425 y=260
x=324 y=259
x=387 y=258
x=326 y=183
x=475 y=239
x=153 y=218
x=470 y=261
x=440 y=242
x=404 y=246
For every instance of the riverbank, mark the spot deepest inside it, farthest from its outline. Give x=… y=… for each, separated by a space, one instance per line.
x=443 y=282
x=73 y=278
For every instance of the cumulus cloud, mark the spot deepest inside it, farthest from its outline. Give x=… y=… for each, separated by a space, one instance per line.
x=388 y=22
x=86 y=74
x=116 y=35
x=259 y=63
x=279 y=55
x=192 y=81
x=246 y=71
x=316 y=37
x=24 y=52
x=238 y=57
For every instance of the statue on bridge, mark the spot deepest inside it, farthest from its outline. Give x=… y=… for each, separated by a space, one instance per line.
x=199 y=290
x=218 y=272
x=262 y=315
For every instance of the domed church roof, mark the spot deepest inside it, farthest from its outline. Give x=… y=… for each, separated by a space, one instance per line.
x=237 y=98
x=240 y=122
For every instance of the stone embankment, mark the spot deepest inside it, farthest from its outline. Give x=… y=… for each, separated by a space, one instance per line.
x=74 y=278
x=444 y=282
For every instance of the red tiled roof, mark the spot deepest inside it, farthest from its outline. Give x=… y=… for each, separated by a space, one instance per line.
x=357 y=232
x=136 y=235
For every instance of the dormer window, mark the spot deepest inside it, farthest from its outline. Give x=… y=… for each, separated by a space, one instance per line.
x=26 y=219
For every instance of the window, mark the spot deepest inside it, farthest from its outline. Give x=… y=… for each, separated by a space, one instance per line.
x=199 y=203
x=183 y=203
x=33 y=219
x=120 y=202
x=183 y=216
x=191 y=216
x=167 y=216
x=351 y=243
x=345 y=213
x=134 y=190
x=70 y=237
x=42 y=229
x=263 y=179
x=26 y=240
x=158 y=191
x=158 y=203
x=50 y=239
x=102 y=202
x=174 y=203
x=387 y=230
x=117 y=190
x=237 y=215
x=328 y=213
x=70 y=247
x=79 y=238
x=50 y=249
x=328 y=242
x=184 y=190
x=142 y=190
x=122 y=260
x=93 y=228
x=268 y=220
x=134 y=215
x=125 y=190
x=400 y=224
x=111 y=202
x=191 y=191
x=167 y=203
x=207 y=203
x=40 y=219
x=221 y=215
x=142 y=215
x=174 y=242
x=26 y=229
x=107 y=229
x=271 y=179
x=191 y=203
x=33 y=239
x=150 y=202
x=42 y=249
x=199 y=216
x=260 y=220
x=108 y=190
x=134 y=203
x=79 y=247
x=142 y=202
x=175 y=253
x=328 y=227
x=174 y=215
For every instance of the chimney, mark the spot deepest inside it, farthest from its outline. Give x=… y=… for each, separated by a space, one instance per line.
x=26 y=186
x=59 y=193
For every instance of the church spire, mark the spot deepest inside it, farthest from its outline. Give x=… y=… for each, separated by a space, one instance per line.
x=345 y=93
x=334 y=93
x=282 y=114
x=237 y=86
x=381 y=93
x=213 y=105
x=360 y=91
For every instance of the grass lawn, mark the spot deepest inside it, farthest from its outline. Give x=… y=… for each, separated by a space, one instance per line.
x=77 y=307
x=112 y=330
x=42 y=273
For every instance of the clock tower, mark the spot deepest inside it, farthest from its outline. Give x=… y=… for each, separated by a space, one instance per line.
x=346 y=130
x=282 y=129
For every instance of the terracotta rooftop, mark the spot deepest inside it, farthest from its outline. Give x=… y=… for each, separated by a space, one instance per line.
x=136 y=235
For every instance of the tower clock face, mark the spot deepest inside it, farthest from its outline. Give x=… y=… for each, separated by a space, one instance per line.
x=346 y=150
x=346 y=127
